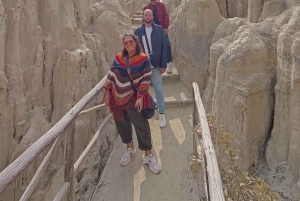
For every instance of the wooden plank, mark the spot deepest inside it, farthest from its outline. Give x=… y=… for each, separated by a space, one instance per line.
x=69 y=161
x=26 y=195
x=92 y=109
x=62 y=192
x=204 y=165
x=11 y=172
x=194 y=127
x=214 y=178
x=91 y=144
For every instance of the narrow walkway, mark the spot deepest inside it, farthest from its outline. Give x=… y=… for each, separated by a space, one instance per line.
x=173 y=147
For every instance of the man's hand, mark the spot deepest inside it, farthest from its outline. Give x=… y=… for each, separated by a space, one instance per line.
x=166 y=31
x=162 y=70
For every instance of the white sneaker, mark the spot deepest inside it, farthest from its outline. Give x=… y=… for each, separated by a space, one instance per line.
x=151 y=161
x=169 y=67
x=162 y=120
x=127 y=156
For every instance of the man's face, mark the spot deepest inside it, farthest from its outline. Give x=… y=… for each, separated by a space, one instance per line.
x=153 y=1
x=148 y=16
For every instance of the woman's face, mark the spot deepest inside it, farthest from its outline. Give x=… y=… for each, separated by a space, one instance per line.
x=129 y=44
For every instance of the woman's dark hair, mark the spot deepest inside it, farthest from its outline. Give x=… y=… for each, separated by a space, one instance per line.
x=137 y=42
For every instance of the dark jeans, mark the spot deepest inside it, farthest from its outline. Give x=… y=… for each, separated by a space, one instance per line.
x=141 y=125
x=169 y=50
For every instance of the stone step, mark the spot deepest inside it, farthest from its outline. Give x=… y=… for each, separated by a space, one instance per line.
x=173 y=147
x=174 y=76
x=170 y=77
x=137 y=15
x=175 y=93
x=136 y=20
x=135 y=26
x=140 y=12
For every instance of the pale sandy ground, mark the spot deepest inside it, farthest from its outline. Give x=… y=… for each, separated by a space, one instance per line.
x=173 y=146
x=281 y=180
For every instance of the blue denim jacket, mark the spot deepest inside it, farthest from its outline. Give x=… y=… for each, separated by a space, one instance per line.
x=159 y=47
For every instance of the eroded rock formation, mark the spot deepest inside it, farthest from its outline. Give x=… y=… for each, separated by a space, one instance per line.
x=285 y=139
x=242 y=80
x=191 y=39
x=50 y=57
x=251 y=78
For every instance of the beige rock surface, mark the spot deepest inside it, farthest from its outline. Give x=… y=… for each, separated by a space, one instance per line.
x=255 y=8
x=113 y=6
x=224 y=35
x=246 y=62
x=49 y=59
x=272 y=8
x=104 y=25
x=242 y=98
x=284 y=144
x=191 y=39
x=133 y=6
x=233 y=8
x=171 y=4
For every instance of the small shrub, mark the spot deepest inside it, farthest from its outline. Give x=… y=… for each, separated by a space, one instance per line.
x=238 y=185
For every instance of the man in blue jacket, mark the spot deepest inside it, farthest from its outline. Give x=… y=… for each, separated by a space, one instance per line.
x=154 y=45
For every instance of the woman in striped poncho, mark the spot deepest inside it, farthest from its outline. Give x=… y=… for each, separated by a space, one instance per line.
x=125 y=105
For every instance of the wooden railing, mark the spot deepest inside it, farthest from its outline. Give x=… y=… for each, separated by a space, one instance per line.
x=202 y=143
x=63 y=129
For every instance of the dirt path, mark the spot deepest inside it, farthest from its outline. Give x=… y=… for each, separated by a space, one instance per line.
x=173 y=147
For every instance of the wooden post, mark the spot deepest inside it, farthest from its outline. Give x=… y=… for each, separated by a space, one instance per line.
x=11 y=172
x=69 y=161
x=194 y=126
x=215 y=188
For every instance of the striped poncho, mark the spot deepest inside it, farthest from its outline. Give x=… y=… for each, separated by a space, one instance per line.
x=118 y=83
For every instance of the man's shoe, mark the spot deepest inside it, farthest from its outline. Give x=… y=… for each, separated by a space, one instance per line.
x=152 y=162
x=162 y=120
x=169 y=68
x=127 y=156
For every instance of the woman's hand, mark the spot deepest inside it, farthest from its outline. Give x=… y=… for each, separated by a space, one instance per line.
x=139 y=104
x=106 y=97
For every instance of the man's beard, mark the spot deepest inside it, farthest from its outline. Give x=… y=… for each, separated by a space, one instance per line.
x=148 y=22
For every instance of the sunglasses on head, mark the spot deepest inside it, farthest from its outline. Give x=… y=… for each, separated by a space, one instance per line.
x=129 y=42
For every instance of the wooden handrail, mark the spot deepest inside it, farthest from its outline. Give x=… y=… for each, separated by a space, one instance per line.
x=69 y=160
x=11 y=172
x=30 y=188
x=62 y=192
x=91 y=144
x=64 y=189
x=215 y=189
x=27 y=193
x=97 y=107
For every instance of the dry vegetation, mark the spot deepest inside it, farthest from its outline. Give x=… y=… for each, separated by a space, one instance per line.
x=238 y=185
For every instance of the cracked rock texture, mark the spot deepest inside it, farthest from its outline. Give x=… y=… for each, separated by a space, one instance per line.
x=247 y=70
x=50 y=57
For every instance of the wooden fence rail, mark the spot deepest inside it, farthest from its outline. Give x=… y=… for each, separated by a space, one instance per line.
x=212 y=176
x=11 y=172
x=214 y=187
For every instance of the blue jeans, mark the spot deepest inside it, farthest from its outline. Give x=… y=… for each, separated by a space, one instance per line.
x=156 y=79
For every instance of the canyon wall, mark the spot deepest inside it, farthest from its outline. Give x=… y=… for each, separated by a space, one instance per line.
x=52 y=52
x=247 y=70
